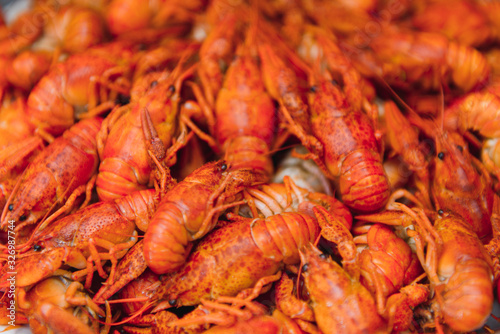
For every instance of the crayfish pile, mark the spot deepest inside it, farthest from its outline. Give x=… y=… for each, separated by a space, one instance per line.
x=232 y=166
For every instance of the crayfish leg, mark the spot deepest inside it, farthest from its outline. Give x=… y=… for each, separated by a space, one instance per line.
x=98 y=110
x=429 y=234
x=97 y=85
x=72 y=298
x=288 y=303
x=204 y=109
x=152 y=323
x=402 y=193
x=87 y=189
x=261 y=286
x=186 y=120
x=115 y=251
x=399 y=308
x=333 y=230
x=131 y=266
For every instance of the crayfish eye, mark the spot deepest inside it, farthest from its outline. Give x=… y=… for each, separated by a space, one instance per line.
x=37 y=247
x=223 y=167
x=440 y=155
x=122 y=99
x=313 y=89
x=171 y=88
x=305 y=267
x=153 y=84
x=323 y=256
x=440 y=212
x=11 y=207
x=22 y=218
x=276 y=105
x=460 y=148
x=172 y=302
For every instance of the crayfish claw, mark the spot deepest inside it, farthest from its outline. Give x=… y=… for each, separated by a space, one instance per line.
x=153 y=141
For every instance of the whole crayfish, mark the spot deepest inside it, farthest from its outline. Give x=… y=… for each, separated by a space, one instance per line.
x=349 y=150
x=237 y=256
x=189 y=211
x=56 y=176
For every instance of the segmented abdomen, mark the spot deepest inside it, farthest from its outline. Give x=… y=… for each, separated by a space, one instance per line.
x=468 y=296
x=466 y=270
x=364 y=186
x=236 y=256
x=351 y=151
x=166 y=241
x=281 y=236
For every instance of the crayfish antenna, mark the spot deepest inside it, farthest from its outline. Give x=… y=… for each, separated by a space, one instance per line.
x=398 y=98
x=24 y=247
x=441 y=96
x=426 y=126
x=9 y=201
x=138 y=313
x=495 y=317
x=222 y=314
x=125 y=300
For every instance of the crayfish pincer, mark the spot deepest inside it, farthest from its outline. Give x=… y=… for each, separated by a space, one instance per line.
x=59 y=305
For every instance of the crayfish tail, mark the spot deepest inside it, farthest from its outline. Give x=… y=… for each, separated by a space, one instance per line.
x=245 y=152
x=62 y=321
x=468 y=297
x=116 y=179
x=473 y=71
x=371 y=188
x=166 y=243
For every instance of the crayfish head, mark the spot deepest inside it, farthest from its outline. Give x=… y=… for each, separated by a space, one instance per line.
x=29 y=204
x=16 y=213
x=36 y=266
x=224 y=166
x=313 y=261
x=453 y=160
x=327 y=97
